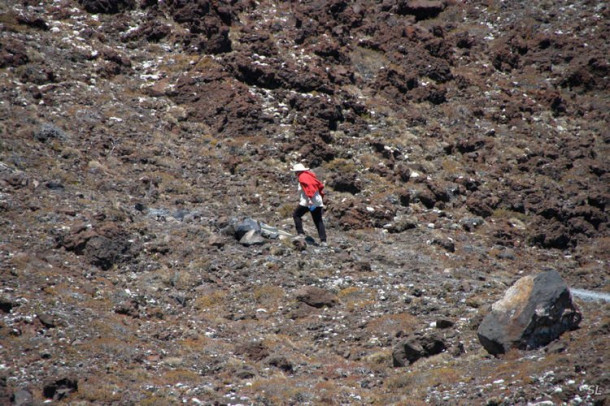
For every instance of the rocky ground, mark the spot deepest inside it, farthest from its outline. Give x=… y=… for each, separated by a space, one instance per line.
x=463 y=144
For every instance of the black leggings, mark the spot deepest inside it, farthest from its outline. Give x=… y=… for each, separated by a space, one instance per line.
x=317 y=219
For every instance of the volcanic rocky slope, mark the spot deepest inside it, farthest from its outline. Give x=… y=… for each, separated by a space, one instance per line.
x=463 y=145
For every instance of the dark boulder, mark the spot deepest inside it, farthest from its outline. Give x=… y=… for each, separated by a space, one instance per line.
x=416 y=347
x=346 y=182
x=103 y=246
x=107 y=6
x=12 y=53
x=33 y=21
x=421 y=9
x=207 y=22
x=7 y=304
x=280 y=362
x=59 y=389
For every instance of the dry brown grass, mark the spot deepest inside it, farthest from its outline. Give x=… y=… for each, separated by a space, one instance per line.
x=210 y=300
x=355 y=298
x=277 y=390
x=193 y=344
x=452 y=165
x=394 y=323
x=156 y=400
x=104 y=389
x=9 y=21
x=379 y=360
x=269 y=296
x=403 y=400
x=179 y=375
x=106 y=346
x=285 y=210
x=419 y=381
x=340 y=165
x=598 y=249
x=505 y=214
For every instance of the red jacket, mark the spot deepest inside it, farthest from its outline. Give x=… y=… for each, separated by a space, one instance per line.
x=310 y=184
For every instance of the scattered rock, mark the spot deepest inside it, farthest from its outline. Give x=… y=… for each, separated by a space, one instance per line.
x=132 y=131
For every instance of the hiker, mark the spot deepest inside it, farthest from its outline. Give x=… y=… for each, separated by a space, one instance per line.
x=311 y=194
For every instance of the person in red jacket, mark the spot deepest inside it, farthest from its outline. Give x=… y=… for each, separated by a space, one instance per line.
x=311 y=194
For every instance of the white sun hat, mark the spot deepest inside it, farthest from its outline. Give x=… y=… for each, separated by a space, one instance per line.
x=299 y=168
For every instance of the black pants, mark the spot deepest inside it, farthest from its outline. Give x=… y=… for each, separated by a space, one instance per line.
x=317 y=219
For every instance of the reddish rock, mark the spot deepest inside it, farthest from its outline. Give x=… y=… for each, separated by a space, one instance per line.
x=316 y=297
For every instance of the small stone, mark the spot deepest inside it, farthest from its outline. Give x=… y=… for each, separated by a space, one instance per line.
x=216 y=240
x=22 y=398
x=299 y=243
x=252 y=237
x=46 y=320
x=60 y=388
x=444 y=323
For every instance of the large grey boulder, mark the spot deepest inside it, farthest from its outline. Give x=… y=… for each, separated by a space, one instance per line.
x=536 y=310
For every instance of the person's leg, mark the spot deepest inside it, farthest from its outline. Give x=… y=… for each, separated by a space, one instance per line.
x=296 y=216
x=317 y=219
